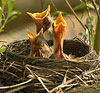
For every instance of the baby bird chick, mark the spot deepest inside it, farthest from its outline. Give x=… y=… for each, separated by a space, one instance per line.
x=38 y=44
x=59 y=31
x=42 y=20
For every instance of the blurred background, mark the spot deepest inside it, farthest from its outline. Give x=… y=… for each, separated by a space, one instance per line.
x=16 y=29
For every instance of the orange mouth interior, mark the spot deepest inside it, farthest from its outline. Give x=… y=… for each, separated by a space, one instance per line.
x=40 y=15
x=59 y=33
x=31 y=36
x=59 y=20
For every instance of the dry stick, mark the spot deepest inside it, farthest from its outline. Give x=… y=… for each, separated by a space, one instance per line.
x=70 y=81
x=42 y=83
x=53 y=5
x=2 y=70
x=88 y=10
x=42 y=3
x=13 y=86
x=97 y=12
x=75 y=14
x=64 y=80
x=81 y=80
x=88 y=72
x=62 y=86
x=18 y=88
x=33 y=74
x=27 y=67
x=45 y=69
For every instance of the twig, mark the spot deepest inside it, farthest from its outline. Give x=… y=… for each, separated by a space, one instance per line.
x=2 y=70
x=42 y=83
x=42 y=4
x=27 y=67
x=14 y=90
x=56 y=72
x=74 y=14
x=97 y=12
x=64 y=80
x=61 y=86
x=71 y=80
x=16 y=68
x=46 y=80
x=45 y=69
x=13 y=86
x=53 y=5
x=88 y=72
x=88 y=10
x=81 y=80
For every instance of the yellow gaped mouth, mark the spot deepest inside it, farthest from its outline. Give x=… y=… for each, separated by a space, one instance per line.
x=31 y=35
x=59 y=20
x=40 y=15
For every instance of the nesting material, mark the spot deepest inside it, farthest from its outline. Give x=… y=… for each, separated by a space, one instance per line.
x=19 y=72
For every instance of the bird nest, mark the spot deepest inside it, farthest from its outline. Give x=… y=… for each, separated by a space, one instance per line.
x=19 y=72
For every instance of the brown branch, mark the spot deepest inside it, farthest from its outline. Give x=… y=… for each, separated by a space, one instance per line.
x=97 y=12
x=97 y=36
x=42 y=4
x=53 y=5
x=87 y=8
x=68 y=4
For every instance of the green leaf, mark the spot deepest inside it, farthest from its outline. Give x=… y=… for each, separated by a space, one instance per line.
x=88 y=36
x=14 y=12
x=96 y=20
x=3 y=2
x=2 y=49
x=57 y=12
x=84 y=12
x=90 y=5
x=10 y=7
x=89 y=20
x=80 y=33
x=0 y=13
x=80 y=6
x=11 y=18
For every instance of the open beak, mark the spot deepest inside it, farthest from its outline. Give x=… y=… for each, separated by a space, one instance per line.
x=35 y=42
x=42 y=20
x=31 y=36
x=59 y=20
x=59 y=31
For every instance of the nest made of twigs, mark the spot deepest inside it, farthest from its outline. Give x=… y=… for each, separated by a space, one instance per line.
x=33 y=74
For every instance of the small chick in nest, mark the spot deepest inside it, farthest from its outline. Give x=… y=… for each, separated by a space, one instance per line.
x=59 y=30
x=39 y=47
